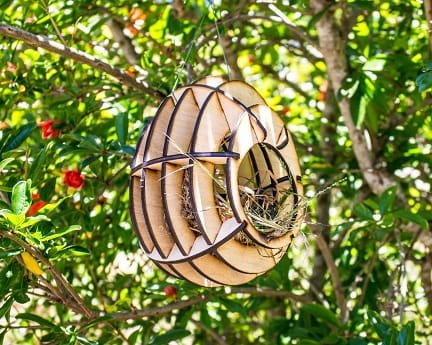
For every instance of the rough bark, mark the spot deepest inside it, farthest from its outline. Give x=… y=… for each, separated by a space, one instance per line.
x=231 y=58
x=428 y=14
x=123 y=41
x=332 y=44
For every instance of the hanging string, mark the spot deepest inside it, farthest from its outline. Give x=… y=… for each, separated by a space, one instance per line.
x=219 y=38
x=192 y=45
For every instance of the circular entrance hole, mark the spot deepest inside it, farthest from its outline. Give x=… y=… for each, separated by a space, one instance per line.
x=267 y=191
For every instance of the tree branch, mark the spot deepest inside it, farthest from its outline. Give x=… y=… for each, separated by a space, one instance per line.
x=231 y=58
x=428 y=14
x=334 y=274
x=216 y=337
x=41 y=41
x=138 y=314
x=265 y=292
x=332 y=46
x=124 y=42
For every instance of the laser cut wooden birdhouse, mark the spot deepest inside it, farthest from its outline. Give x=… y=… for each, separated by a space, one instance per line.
x=215 y=188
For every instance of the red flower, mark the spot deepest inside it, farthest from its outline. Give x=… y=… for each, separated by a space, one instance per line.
x=48 y=130
x=170 y=291
x=73 y=178
x=35 y=207
x=11 y=67
x=136 y=14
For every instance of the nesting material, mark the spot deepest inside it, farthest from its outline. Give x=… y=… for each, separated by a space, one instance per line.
x=215 y=187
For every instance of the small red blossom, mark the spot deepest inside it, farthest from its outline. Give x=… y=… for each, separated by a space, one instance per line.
x=131 y=72
x=73 y=178
x=11 y=67
x=136 y=14
x=36 y=206
x=48 y=130
x=3 y=125
x=170 y=291
x=131 y=30
x=251 y=58
x=322 y=91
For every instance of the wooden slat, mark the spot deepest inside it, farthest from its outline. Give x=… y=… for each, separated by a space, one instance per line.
x=181 y=125
x=139 y=153
x=243 y=92
x=172 y=188
x=204 y=202
x=249 y=259
x=153 y=208
x=188 y=272
x=157 y=135
x=218 y=271
x=201 y=92
x=137 y=214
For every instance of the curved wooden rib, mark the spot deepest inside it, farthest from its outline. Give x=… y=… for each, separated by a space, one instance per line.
x=211 y=128
x=172 y=176
x=228 y=230
x=249 y=259
x=189 y=273
x=137 y=215
x=243 y=92
x=139 y=153
x=154 y=212
x=167 y=269
x=220 y=272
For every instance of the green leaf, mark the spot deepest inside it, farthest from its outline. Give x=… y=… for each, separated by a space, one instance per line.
x=322 y=313
x=5 y=162
x=73 y=251
x=35 y=318
x=85 y=341
x=234 y=306
x=17 y=139
x=171 y=335
x=50 y=207
x=96 y=321
x=21 y=199
x=33 y=221
x=406 y=335
x=424 y=81
x=14 y=220
x=412 y=217
x=2 y=336
x=37 y=165
x=367 y=5
x=363 y=212
x=386 y=200
x=5 y=308
x=122 y=123
x=10 y=252
x=360 y=114
x=61 y=233
x=374 y=64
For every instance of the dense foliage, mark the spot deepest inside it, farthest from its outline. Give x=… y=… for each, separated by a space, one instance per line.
x=71 y=271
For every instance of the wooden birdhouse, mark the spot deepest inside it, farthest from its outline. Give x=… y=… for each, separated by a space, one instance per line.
x=215 y=189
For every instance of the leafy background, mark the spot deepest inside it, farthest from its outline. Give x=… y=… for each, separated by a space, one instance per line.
x=361 y=271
